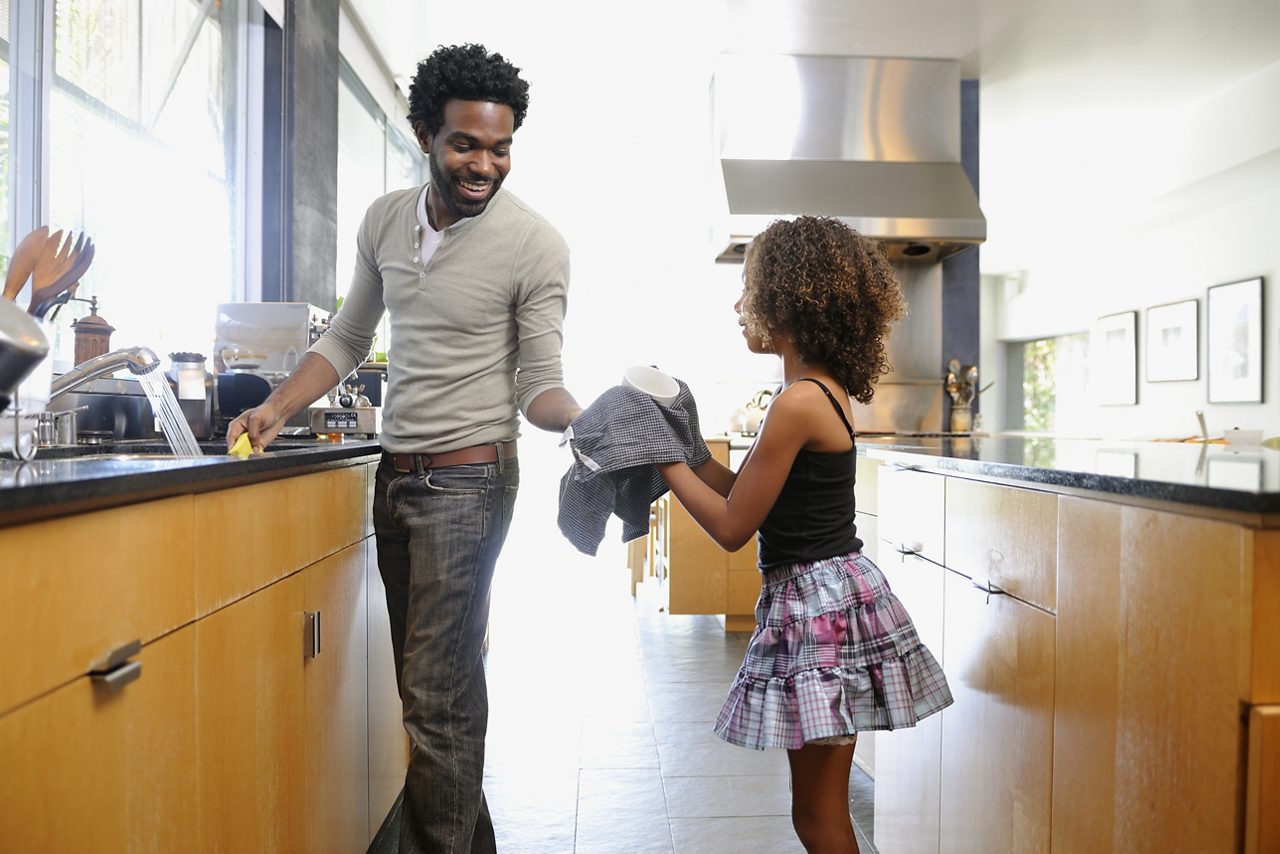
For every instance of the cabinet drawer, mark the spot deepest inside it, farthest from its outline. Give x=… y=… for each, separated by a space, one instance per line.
x=911 y=512
x=251 y=536
x=89 y=769
x=74 y=589
x=1004 y=534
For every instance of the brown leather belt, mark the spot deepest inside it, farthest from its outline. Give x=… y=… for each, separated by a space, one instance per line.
x=461 y=457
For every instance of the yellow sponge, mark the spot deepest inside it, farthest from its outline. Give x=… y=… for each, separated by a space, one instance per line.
x=241 y=448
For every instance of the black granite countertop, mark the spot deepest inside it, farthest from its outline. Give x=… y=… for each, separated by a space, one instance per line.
x=1243 y=478
x=1228 y=477
x=55 y=483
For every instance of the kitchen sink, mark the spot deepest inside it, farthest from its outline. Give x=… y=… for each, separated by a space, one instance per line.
x=152 y=450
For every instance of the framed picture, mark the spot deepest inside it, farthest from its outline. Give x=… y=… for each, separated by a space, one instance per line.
x=1234 y=342
x=1115 y=366
x=1173 y=342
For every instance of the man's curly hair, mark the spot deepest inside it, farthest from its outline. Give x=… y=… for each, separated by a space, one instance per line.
x=831 y=291
x=468 y=72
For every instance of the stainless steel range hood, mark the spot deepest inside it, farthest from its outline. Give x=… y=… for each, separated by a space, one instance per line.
x=874 y=142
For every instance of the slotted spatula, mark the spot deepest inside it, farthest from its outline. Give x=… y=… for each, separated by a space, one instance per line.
x=50 y=277
x=59 y=291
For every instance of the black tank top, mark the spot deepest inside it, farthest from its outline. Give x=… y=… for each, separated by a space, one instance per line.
x=813 y=516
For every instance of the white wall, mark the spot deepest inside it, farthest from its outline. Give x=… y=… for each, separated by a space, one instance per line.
x=1123 y=210
x=615 y=152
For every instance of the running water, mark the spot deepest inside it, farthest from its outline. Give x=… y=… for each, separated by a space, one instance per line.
x=172 y=422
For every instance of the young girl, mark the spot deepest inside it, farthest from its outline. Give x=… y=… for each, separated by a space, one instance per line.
x=833 y=653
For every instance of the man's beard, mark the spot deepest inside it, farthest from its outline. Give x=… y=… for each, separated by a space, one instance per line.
x=459 y=208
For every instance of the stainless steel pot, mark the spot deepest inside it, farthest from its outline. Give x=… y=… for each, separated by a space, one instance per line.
x=22 y=346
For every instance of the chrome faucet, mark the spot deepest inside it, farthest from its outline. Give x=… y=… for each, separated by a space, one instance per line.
x=139 y=360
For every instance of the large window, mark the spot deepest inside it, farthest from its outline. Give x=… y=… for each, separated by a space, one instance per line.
x=5 y=248
x=1054 y=375
x=374 y=158
x=141 y=158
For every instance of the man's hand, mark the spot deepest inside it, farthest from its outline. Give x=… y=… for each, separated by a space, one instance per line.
x=262 y=423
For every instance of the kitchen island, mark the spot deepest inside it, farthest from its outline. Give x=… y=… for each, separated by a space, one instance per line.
x=1108 y=616
x=196 y=653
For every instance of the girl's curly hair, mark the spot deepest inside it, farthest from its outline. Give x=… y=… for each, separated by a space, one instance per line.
x=831 y=291
x=468 y=72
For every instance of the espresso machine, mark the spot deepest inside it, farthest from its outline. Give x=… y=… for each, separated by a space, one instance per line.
x=256 y=346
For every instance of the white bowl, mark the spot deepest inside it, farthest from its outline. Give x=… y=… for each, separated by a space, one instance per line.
x=653 y=382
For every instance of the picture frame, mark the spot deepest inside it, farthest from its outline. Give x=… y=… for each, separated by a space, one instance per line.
x=1234 y=342
x=1115 y=364
x=1173 y=342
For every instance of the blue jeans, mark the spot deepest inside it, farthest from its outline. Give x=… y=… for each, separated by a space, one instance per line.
x=439 y=534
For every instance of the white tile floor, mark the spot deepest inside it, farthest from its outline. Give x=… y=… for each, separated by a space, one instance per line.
x=601 y=708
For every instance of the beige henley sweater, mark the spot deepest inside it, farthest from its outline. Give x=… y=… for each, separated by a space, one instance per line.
x=475 y=335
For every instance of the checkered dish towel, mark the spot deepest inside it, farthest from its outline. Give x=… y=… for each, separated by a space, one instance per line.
x=617 y=442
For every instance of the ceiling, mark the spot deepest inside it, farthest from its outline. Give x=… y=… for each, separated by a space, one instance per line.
x=1096 y=50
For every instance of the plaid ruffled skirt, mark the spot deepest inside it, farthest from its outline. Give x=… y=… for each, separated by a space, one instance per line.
x=834 y=653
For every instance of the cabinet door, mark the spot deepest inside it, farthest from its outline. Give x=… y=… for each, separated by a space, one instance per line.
x=86 y=768
x=1148 y=733
x=697 y=568
x=337 y=713
x=249 y=707
x=997 y=739
x=908 y=762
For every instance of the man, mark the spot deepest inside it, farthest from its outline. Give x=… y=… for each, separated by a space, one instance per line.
x=474 y=284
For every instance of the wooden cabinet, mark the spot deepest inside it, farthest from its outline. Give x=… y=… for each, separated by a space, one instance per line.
x=73 y=589
x=236 y=737
x=1006 y=536
x=1120 y=694
x=251 y=767
x=239 y=551
x=89 y=768
x=1262 y=819
x=701 y=577
x=997 y=738
x=336 y=685
x=908 y=766
x=1148 y=739
x=911 y=507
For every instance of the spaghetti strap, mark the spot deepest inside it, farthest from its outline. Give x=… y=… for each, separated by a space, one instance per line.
x=834 y=402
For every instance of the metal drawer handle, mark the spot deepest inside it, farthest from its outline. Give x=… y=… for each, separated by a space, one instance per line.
x=985 y=585
x=114 y=658
x=114 y=680
x=908 y=467
x=313 y=634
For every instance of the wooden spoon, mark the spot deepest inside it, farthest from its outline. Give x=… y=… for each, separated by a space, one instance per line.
x=23 y=261
x=56 y=259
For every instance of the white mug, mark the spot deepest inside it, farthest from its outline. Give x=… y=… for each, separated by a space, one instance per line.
x=653 y=382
